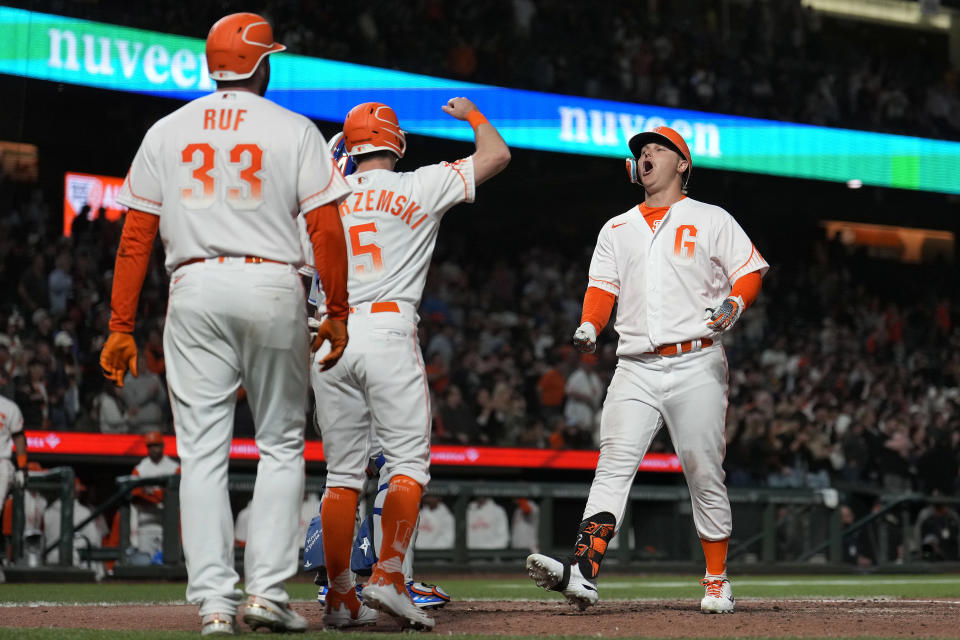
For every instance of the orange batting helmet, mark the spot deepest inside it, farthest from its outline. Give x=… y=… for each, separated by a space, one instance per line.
x=373 y=126
x=237 y=43
x=660 y=135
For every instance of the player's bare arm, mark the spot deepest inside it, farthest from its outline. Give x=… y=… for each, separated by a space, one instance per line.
x=492 y=155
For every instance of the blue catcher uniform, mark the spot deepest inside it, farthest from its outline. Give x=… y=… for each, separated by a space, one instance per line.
x=364 y=555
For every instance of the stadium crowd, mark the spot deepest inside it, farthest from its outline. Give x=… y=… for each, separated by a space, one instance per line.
x=846 y=369
x=755 y=58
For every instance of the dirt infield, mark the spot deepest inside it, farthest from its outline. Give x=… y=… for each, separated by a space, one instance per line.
x=661 y=618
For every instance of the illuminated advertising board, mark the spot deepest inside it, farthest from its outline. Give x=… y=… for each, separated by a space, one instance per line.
x=69 y=50
x=87 y=194
x=73 y=443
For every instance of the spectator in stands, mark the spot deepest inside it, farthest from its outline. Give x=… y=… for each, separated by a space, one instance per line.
x=33 y=398
x=459 y=423
x=437 y=528
x=584 y=393
x=144 y=397
x=551 y=390
x=490 y=416
x=111 y=410
x=7 y=386
x=148 y=499
x=487 y=526
x=516 y=422
x=32 y=288
x=60 y=283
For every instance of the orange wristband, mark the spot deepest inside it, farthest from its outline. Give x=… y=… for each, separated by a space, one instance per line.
x=21 y=461
x=475 y=118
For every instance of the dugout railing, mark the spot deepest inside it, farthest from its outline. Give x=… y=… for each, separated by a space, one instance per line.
x=774 y=529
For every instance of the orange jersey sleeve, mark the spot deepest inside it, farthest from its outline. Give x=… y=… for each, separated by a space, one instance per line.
x=133 y=258
x=597 y=305
x=330 y=256
x=748 y=288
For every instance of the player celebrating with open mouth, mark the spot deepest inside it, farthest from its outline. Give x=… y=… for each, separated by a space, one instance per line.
x=665 y=261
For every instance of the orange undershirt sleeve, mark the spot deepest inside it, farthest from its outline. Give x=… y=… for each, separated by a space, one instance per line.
x=597 y=305
x=330 y=256
x=748 y=288
x=133 y=258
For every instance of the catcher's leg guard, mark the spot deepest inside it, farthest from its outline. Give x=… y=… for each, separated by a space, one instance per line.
x=592 y=539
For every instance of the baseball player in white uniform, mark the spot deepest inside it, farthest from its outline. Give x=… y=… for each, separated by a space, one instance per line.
x=682 y=272
x=149 y=503
x=223 y=178
x=11 y=438
x=391 y=223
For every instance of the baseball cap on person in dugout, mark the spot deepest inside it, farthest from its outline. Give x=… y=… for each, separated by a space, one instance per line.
x=661 y=135
x=236 y=45
x=153 y=437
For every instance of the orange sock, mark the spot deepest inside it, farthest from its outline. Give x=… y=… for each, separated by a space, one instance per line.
x=715 y=551
x=337 y=514
x=399 y=519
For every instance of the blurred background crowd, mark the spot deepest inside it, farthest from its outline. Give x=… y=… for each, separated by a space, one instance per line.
x=778 y=60
x=845 y=373
x=847 y=367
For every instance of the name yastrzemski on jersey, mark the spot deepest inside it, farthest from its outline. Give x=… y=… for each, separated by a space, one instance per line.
x=386 y=201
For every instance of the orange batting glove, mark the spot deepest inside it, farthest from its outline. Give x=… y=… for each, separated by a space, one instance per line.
x=336 y=332
x=119 y=354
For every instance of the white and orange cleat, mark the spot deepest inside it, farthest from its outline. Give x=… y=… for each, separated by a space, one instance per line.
x=345 y=610
x=276 y=616
x=719 y=595
x=387 y=592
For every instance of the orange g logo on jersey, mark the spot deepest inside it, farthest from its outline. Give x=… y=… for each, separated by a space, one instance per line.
x=686 y=242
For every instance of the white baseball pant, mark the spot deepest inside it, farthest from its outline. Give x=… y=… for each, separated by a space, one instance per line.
x=380 y=380
x=688 y=393
x=231 y=324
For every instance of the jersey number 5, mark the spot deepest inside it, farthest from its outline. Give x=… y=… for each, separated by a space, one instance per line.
x=245 y=185
x=376 y=254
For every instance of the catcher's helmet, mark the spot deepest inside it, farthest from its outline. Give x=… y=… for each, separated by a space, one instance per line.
x=373 y=126
x=660 y=135
x=237 y=43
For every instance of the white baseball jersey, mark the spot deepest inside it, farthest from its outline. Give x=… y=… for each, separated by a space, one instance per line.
x=220 y=174
x=147 y=468
x=149 y=513
x=11 y=423
x=665 y=279
x=391 y=221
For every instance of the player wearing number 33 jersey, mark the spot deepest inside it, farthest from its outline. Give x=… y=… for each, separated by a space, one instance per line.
x=224 y=179
x=681 y=273
x=391 y=222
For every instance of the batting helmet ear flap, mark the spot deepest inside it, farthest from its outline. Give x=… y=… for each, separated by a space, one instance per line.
x=632 y=171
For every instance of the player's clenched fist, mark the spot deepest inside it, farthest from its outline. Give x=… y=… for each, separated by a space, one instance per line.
x=724 y=316
x=336 y=332
x=459 y=107
x=119 y=354
x=585 y=338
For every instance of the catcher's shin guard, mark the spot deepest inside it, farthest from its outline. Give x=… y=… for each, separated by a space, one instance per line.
x=592 y=539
